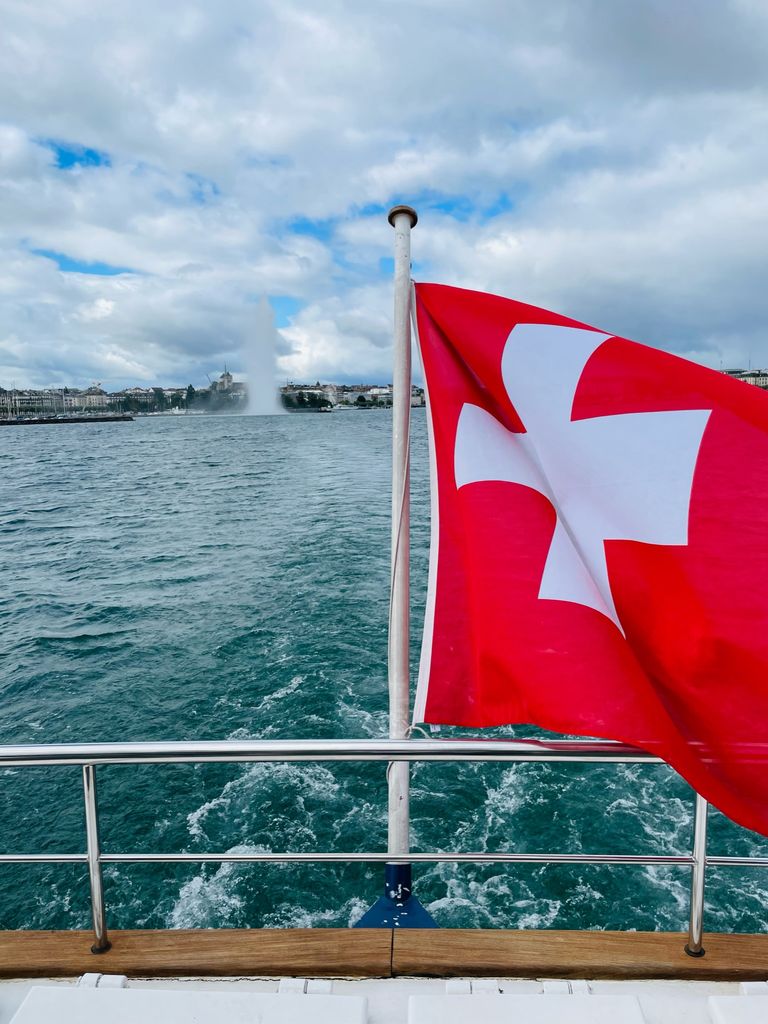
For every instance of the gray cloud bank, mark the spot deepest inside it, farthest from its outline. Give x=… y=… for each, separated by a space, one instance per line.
x=606 y=159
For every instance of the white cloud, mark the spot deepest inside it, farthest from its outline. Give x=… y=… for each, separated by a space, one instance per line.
x=96 y=310
x=345 y=338
x=606 y=159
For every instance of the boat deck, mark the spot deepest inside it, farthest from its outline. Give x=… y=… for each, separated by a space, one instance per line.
x=94 y=999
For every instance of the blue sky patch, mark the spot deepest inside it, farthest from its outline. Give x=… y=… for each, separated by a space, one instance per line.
x=285 y=307
x=462 y=208
x=501 y=204
x=70 y=155
x=373 y=209
x=322 y=230
x=268 y=160
x=72 y=266
x=202 y=190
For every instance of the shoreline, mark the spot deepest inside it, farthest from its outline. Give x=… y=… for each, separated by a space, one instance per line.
x=47 y=420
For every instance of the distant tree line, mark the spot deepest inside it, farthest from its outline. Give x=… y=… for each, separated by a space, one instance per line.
x=304 y=400
x=373 y=402
x=203 y=401
x=156 y=402
x=212 y=401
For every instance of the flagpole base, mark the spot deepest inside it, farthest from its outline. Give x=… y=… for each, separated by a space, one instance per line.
x=398 y=907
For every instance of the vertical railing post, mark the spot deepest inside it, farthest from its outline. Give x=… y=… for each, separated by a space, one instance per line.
x=101 y=943
x=694 y=945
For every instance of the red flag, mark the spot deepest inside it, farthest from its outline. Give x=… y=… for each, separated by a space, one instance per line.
x=599 y=558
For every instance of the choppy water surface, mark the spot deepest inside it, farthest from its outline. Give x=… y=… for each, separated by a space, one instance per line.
x=189 y=577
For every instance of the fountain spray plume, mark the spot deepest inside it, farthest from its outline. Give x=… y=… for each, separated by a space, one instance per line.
x=259 y=352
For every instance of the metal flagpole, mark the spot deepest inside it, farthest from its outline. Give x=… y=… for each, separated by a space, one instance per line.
x=402 y=219
x=398 y=907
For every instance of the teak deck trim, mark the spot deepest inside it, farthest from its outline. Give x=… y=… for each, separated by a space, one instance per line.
x=382 y=953
x=577 y=954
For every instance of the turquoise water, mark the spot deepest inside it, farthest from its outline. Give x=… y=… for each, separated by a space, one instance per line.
x=190 y=577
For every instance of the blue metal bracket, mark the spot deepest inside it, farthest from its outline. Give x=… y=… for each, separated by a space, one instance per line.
x=398 y=907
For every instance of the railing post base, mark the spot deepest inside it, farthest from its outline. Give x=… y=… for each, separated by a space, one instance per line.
x=398 y=907
x=694 y=952
x=103 y=948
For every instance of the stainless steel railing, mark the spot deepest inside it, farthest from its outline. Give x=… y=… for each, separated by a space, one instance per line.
x=91 y=755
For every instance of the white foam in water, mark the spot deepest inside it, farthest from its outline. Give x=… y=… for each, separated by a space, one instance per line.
x=361 y=722
x=300 y=917
x=503 y=801
x=204 y=902
x=544 y=917
x=310 y=780
x=676 y=888
x=212 y=901
x=224 y=896
x=285 y=691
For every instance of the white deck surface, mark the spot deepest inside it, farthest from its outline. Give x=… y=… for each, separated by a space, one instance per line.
x=538 y=1009
x=101 y=999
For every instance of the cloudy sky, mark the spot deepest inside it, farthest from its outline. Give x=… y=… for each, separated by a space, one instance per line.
x=164 y=164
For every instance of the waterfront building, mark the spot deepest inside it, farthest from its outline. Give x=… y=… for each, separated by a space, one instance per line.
x=759 y=378
x=94 y=397
x=224 y=383
x=133 y=398
x=381 y=394
x=38 y=402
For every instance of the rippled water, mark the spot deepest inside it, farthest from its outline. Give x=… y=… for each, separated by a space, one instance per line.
x=190 y=577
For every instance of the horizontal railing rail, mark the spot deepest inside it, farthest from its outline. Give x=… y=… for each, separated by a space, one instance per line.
x=267 y=857
x=221 y=751
x=89 y=756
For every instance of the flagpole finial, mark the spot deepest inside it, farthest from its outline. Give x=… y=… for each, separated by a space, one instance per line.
x=403 y=209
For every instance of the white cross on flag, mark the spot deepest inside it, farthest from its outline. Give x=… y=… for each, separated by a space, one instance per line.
x=599 y=558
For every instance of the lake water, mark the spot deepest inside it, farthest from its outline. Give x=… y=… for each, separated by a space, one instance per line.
x=205 y=578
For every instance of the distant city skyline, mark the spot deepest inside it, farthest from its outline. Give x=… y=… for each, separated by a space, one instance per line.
x=238 y=378
x=224 y=394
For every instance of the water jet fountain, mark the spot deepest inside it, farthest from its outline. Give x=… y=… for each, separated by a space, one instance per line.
x=259 y=356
